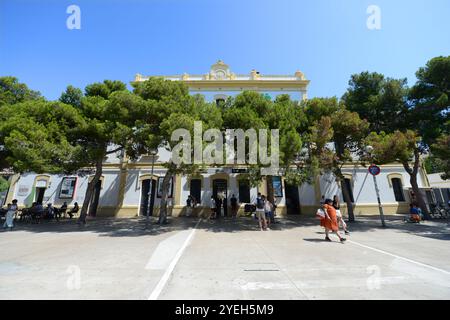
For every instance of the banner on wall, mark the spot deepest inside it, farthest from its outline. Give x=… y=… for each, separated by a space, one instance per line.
x=277 y=187
x=68 y=186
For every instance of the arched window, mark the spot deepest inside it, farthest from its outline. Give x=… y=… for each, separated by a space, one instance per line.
x=398 y=189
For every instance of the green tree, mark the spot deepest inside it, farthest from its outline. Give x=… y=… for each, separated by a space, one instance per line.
x=379 y=100
x=336 y=138
x=169 y=106
x=403 y=147
x=110 y=112
x=252 y=110
x=72 y=96
x=441 y=149
x=37 y=136
x=4 y=184
x=429 y=98
x=395 y=111
x=12 y=91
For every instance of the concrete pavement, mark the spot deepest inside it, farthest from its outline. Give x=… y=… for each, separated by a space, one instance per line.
x=188 y=259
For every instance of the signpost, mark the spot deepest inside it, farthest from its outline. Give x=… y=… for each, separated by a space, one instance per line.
x=375 y=170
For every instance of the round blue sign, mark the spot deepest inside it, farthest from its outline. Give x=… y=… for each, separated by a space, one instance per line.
x=374 y=170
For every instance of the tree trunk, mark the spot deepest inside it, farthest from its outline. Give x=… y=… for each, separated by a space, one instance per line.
x=90 y=190
x=165 y=193
x=346 y=194
x=419 y=198
x=414 y=185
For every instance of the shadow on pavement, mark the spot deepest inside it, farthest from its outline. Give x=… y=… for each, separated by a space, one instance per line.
x=135 y=227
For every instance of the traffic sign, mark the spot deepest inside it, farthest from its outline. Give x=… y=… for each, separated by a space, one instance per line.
x=374 y=170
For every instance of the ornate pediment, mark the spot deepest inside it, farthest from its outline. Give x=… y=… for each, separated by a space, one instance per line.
x=220 y=71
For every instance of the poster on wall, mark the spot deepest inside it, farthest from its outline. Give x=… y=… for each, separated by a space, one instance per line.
x=277 y=187
x=68 y=188
x=159 y=189
x=23 y=191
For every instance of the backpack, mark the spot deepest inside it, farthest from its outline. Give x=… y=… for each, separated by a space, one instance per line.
x=259 y=203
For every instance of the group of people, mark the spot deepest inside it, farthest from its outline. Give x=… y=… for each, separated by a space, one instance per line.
x=37 y=212
x=331 y=218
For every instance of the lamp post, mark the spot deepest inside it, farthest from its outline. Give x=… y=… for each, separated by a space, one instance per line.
x=153 y=153
x=374 y=171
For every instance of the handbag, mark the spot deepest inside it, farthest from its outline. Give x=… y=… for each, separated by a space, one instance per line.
x=320 y=214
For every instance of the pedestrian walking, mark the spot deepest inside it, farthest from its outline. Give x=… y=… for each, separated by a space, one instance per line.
x=260 y=213
x=330 y=222
x=12 y=209
x=337 y=206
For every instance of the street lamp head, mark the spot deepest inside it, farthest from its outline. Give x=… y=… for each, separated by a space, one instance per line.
x=369 y=149
x=153 y=152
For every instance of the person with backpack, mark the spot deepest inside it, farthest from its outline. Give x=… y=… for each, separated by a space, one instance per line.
x=260 y=213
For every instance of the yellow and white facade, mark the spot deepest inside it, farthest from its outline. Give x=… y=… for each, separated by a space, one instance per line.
x=128 y=189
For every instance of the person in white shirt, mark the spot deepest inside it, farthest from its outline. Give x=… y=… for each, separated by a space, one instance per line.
x=9 y=223
x=213 y=208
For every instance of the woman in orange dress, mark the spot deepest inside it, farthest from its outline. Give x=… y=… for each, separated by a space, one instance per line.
x=330 y=221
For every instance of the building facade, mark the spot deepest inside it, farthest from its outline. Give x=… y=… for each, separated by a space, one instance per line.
x=128 y=189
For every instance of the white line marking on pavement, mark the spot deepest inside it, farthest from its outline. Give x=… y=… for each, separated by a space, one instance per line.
x=399 y=257
x=163 y=281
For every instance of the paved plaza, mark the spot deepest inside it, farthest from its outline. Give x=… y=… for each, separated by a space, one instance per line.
x=199 y=259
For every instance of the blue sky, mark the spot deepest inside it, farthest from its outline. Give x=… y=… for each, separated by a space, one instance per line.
x=327 y=39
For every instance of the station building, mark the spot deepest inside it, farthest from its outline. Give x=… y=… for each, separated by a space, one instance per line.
x=128 y=189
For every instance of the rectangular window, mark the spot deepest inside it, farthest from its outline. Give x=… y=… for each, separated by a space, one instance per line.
x=244 y=191
x=196 y=189
x=348 y=186
x=398 y=190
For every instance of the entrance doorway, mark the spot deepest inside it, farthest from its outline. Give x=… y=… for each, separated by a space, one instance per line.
x=220 y=187
x=40 y=191
x=93 y=205
x=292 y=199
x=148 y=190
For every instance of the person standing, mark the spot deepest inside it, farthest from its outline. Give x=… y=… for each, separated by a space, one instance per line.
x=234 y=206
x=9 y=222
x=268 y=210
x=330 y=222
x=260 y=214
x=213 y=208
x=337 y=206
x=189 y=206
